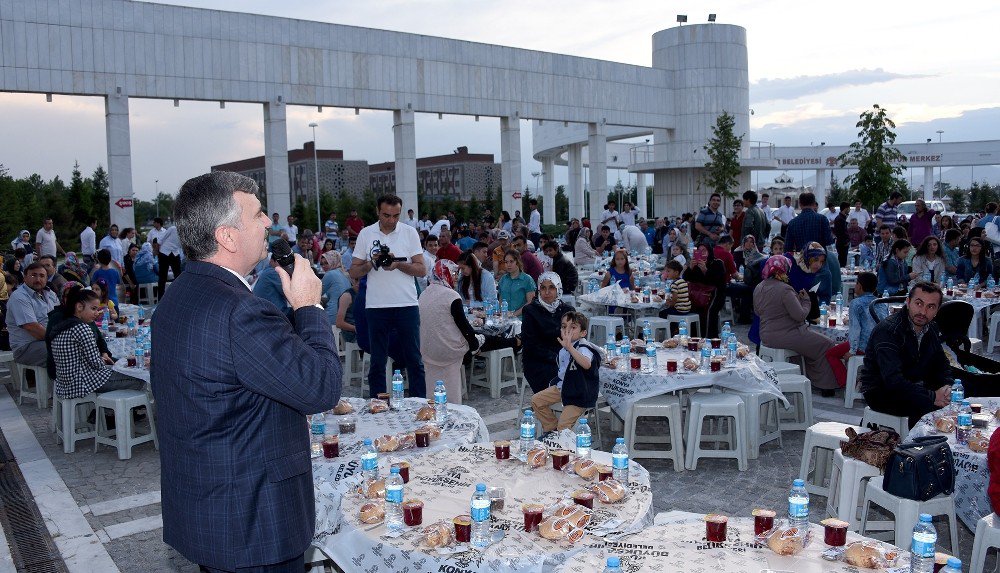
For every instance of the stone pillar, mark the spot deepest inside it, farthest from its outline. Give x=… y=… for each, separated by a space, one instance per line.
x=404 y=137
x=279 y=198
x=640 y=192
x=928 y=183
x=119 y=160
x=510 y=164
x=548 y=191
x=597 y=156
x=574 y=188
x=822 y=179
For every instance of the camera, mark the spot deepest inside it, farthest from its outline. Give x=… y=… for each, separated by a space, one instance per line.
x=381 y=257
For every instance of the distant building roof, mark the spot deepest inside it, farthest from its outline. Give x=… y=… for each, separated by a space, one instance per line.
x=294 y=156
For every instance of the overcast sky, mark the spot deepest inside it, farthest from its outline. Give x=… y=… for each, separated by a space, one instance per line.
x=813 y=69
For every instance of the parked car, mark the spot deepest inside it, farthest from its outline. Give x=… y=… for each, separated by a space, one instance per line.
x=910 y=207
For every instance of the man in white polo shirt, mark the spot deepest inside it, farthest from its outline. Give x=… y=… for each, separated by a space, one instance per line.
x=167 y=248
x=391 y=300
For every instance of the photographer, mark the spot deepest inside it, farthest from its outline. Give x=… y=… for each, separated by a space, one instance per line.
x=391 y=255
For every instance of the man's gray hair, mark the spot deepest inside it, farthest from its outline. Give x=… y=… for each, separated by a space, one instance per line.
x=204 y=204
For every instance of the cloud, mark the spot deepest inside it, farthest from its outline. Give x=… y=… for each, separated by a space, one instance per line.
x=793 y=88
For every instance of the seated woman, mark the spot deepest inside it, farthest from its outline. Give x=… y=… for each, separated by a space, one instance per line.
x=445 y=333
x=345 y=313
x=929 y=262
x=620 y=271
x=476 y=284
x=335 y=282
x=145 y=266
x=975 y=264
x=706 y=277
x=893 y=274
x=128 y=275
x=61 y=313
x=583 y=250
x=516 y=286
x=72 y=270
x=805 y=268
x=540 y=328
x=80 y=367
x=782 y=313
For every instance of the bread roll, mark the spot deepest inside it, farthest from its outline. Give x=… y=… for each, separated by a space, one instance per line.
x=979 y=443
x=376 y=406
x=538 y=456
x=945 y=424
x=387 y=443
x=671 y=343
x=786 y=541
x=690 y=364
x=554 y=528
x=434 y=431
x=609 y=491
x=425 y=413
x=372 y=489
x=438 y=534
x=343 y=407
x=585 y=468
x=372 y=512
x=407 y=440
x=863 y=554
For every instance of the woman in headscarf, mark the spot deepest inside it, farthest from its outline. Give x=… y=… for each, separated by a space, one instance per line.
x=128 y=277
x=808 y=268
x=583 y=250
x=782 y=313
x=22 y=240
x=445 y=333
x=72 y=270
x=145 y=265
x=541 y=323
x=707 y=273
x=335 y=282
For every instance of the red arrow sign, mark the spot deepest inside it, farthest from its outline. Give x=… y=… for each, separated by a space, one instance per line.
x=516 y=194
x=124 y=202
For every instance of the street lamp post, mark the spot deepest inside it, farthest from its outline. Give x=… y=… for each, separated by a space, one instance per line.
x=319 y=220
x=156 y=182
x=940 y=189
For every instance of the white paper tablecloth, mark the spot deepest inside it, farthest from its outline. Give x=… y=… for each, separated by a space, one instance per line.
x=623 y=388
x=972 y=475
x=636 y=306
x=678 y=544
x=445 y=481
x=121 y=347
x=121 y=365
x=837 y=334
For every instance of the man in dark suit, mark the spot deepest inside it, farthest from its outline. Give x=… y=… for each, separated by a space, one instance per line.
x=233 y=381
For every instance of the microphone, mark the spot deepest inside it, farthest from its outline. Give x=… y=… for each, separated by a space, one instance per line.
x=282 y=253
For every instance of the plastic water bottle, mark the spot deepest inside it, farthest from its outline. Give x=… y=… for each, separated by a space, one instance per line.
x=647 y=332
x=594 y=286
x=440 y=402
x=726 y=330
x=706 y=358
x=504 y=307
x=396 y=400
x=394 y=501
x=741 y=271
x=954 y=565
x=611 y=346
x=957 y=393
x=619 y=461
x=527 y=434
x=624 y=347
x=731 y=350
x=614 y=565
x=798 y=506
x=885 y=293
x=106 y=320
x=480 y=517
x=583 y=440
x=951 y=282
x=922 y=546
x=682 y=330
x=650 y=355
x=990 y=283
x=840 y=303
x=647 y=294
x=139 y=351
x=824 y=318
x=317 y=429
x=369 y=461
x=964 y=423
x=142 y=314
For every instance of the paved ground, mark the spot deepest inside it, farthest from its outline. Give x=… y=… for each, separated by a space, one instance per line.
x=120 y=499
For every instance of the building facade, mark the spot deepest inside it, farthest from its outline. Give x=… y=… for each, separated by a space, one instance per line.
x=460 y=175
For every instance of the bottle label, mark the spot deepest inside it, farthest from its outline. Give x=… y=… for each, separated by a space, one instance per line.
x=965 y=419
x=651 y=352
x=923 y=544
x=797 y=509
x=318 y=428
x=480 y=510
x=440 y=397
x=397 y=385
x=619 y=461
x=527 y=432
x=957 y=396
x=394 y=494
x=583 y=441
x=369 y=462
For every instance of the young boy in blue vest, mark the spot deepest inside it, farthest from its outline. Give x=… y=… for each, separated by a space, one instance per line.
x=577 y=382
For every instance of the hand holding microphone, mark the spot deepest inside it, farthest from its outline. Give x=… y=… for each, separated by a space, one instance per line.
x=301 y=286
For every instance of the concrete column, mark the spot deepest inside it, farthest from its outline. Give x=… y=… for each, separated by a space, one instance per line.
x=279 y=198
x=640 y=192
x=575 y=181
x=928 y=183
x=548 y=191
x=510 y=163
x=119 y=160
x=822 y=180
x=404 y=137
x=597 y=155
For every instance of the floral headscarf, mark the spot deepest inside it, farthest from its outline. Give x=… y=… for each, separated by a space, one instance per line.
x=557 y=282
x=333 y=258
x=813 y=251
x=444 y=273
x=776 y=267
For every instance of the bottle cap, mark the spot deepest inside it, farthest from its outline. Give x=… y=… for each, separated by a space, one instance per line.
x=799 y=482
x=529 y=413
x=619 y=440
x=925 y=517
x=394 y=470
x=955 y=562
x=479 y=486
x=614 y=562
x=368 y=441
x=582 y=421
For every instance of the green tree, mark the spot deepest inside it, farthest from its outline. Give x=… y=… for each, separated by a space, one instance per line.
x=80 y=196
x=562 y=204
x=722 y=170
x=100 y=197
x=959 y=200
x=838 y=193
x=879 y=165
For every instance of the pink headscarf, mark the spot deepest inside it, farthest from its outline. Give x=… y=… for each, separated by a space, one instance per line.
x=776 y=265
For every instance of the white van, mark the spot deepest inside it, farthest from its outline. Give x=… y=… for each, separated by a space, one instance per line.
x=910 y=207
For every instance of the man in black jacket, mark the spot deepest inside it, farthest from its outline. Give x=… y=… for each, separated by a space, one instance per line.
x=906 y=372
x=562 y=267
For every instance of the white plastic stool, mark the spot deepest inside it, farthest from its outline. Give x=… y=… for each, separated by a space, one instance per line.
x=761 y=428
x=822 y=438
x=659 y=327
x=852 y=391
x=569 y=299
x=663 y=406
x=847 y=485
x=976 y=346
x=992 y=342
x=354 y=364
x=898 y=423
x=987 y=536
x=769 y=354
x=339 y=340
x=907 y=512
x=798 y=390
x=721 y=406
x=122 y=403
x=727 y=313
x=43 y=387
x=601 y=326
x=501 y=371
x=785 y=368
x=66 y=424
x=7 y=357
x=147 y=293
x=693 y=321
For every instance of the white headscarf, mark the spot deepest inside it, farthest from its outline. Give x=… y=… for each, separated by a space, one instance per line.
x=557 y=282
